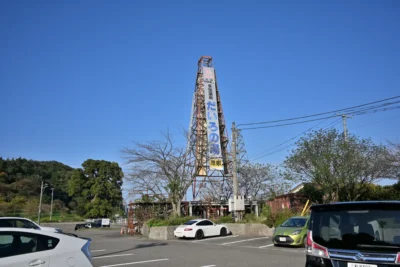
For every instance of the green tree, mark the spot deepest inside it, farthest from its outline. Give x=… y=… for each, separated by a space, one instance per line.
x=96 y=187
x=313 y=193
x=342 y=169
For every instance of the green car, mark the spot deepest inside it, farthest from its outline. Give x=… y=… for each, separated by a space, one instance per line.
x=292 y=232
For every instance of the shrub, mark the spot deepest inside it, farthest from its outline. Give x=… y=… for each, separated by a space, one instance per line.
x=225 y=219
x=274 y=220
x=251 y=218
x=266 y=211
x=169 y=222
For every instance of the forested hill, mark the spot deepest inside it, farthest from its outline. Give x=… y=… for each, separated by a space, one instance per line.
x=92 y=191
x=20 y=180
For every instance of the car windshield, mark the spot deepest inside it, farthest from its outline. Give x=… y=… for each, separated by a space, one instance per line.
x=295 y=222
x=190 y=222
x=357 y=229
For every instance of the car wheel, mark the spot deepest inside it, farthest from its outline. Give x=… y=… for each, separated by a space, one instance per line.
x=224 y=232
x=199 y=234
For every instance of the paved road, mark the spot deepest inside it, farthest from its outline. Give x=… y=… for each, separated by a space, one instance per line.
x=110 y=249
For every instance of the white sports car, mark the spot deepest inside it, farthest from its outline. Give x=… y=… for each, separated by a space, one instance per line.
x=200 y=228
x=29 y=247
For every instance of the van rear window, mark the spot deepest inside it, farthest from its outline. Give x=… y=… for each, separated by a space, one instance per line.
x=368 y=229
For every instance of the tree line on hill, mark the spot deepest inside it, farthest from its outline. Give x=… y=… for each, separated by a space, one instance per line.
x=91 y=191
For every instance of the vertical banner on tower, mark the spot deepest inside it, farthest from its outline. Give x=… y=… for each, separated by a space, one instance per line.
x=213 y=134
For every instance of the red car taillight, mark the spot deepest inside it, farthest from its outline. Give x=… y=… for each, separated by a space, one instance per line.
x=188 y=229
x=397 y=261
x=314 y=248
x=309 y=239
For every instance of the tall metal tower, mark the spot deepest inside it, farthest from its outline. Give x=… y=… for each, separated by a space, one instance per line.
x=207 y=135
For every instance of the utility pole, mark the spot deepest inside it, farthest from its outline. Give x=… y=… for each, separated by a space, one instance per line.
x=234 y=167
x=42 y=187
x=344 y=117
x=51 y=206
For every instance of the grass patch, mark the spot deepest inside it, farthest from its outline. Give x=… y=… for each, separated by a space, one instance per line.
x=59 y=218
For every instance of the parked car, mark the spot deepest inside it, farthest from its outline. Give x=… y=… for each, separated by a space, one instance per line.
x=105 y=222
x=29 y=247
x=292 y=232
x=96 y=223
x=352 y=234
x=200 y=228
x=19 y=222
x=83 y=225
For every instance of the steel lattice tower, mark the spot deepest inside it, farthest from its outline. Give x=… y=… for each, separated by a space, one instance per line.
x=207 y=135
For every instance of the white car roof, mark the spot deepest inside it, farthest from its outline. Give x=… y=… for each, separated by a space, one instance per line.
x=28 y=230
x=33 y=231
x=15 y=218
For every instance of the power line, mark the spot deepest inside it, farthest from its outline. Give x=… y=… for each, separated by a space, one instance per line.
x=334 y=123
x=375 y=122
x=291 y=123
x=374 y=111
x=292 y=144
x=354 y=113
x=262 y=155
x=309 y=129
x=371 y=107
x=319 y=114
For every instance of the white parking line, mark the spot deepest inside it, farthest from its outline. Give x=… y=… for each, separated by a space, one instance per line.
x=111 y=256
x=289 y=250
x=270 y=245
x=209 y=266
x=214 y=238
x=132 y=263
x=98 y=250
x=244 y=240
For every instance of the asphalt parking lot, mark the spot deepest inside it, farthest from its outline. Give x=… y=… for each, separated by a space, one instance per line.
x=110 y=249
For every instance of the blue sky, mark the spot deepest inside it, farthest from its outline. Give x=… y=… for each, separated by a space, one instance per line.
x=83 y=79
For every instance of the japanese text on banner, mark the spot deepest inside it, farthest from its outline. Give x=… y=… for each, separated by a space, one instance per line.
x=213 y=132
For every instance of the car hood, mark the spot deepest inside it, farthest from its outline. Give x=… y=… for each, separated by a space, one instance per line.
x=286 y=230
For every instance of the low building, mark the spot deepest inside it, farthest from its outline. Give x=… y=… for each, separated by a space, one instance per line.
x=292 y=200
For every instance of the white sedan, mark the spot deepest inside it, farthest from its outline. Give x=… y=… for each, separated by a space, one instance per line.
x=200 y=228
x=29 y=247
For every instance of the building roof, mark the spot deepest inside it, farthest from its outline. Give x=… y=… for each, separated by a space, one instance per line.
x=297 y=188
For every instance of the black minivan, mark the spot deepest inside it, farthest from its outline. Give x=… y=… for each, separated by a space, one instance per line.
x=354 y=234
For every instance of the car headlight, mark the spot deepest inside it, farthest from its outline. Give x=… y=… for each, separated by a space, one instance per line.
x=296 y=232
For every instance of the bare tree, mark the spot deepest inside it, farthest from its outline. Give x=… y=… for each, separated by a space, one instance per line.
x=395 y=157
x=256 y=179
x=161 y=168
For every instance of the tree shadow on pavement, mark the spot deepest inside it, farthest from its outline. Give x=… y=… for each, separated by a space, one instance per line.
x=145 y=245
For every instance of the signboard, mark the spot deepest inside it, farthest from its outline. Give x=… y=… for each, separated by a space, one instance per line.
x=213 y=134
